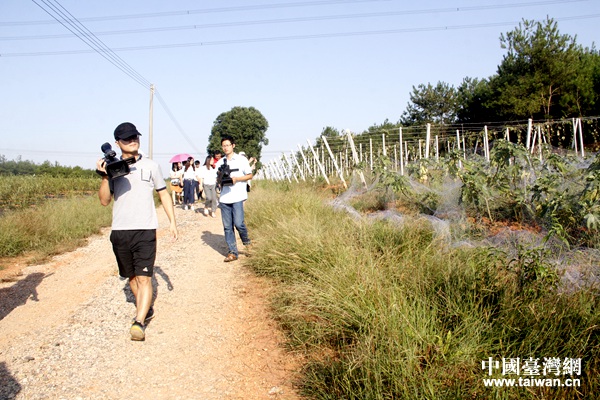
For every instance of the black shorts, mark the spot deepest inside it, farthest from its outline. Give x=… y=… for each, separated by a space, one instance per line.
x=135 y=251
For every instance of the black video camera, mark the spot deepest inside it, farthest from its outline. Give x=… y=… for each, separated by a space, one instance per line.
x=224 y=174
x=115 y=167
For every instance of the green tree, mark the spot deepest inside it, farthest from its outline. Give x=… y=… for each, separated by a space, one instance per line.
x=585 y=98
x=537 y=75
x=246 y=125
x=334 y=139
x=473 y=98
x=434 y=104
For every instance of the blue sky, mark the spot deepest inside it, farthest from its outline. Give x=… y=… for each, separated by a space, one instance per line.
x=304 y=65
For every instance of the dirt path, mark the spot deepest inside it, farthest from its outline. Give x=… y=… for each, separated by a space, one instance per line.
x=64 y=326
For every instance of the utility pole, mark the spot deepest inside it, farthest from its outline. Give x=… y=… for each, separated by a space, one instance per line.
x=150 y=128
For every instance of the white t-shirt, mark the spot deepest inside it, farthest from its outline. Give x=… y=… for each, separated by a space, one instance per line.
x=134 y=196
x=189 y=174
x=209 y=176
x=237 y=192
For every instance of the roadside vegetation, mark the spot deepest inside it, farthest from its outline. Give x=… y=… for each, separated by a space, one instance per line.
x=46 y=210
x=385 y=310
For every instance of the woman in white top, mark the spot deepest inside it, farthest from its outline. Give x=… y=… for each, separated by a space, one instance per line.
x=177 y=183
x=189 y=188
x=209 y=182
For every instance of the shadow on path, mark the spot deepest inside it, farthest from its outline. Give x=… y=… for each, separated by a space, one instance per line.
x=18 y=294
x=130 y=298
x=9 y=387
x=215 y=241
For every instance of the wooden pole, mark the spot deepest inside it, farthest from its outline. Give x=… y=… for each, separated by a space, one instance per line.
x=151 y=124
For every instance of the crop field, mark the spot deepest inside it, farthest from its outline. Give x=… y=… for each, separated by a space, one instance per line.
x=23 y=191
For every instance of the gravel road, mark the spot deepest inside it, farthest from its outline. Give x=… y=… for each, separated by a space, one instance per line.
x=64 y=326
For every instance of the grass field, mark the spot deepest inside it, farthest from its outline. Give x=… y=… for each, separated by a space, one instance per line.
x=384 y=312
x=381 y=311
x=43 y=215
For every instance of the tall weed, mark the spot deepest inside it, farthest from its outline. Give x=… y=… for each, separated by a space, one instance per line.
x=53 y=226
x=385 y=312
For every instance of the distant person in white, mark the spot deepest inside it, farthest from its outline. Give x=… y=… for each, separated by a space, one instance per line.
x=208 y=176
x=231 y=201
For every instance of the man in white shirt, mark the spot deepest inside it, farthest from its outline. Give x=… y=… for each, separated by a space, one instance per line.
x=233 y=196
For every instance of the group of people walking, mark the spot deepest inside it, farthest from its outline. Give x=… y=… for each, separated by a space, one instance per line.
x=190 y=180
x=134 y=222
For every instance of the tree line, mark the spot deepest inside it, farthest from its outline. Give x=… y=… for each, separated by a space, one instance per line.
x=544 y=76
x=26 y=167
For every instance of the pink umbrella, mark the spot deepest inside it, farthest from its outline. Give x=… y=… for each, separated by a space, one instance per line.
x=179 y=157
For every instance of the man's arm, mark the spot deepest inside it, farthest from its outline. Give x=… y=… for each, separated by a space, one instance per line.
x=104 y=192
x=244 y=178
x=167 y=204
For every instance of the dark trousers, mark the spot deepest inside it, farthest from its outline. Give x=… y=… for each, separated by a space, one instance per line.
x=188 y=191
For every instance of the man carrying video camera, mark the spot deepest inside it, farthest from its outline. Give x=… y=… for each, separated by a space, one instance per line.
x=233 y=171
x=134 y=220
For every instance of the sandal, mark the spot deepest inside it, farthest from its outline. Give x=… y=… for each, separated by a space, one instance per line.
x=230 y=257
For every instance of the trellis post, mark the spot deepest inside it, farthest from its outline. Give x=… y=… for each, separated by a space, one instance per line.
x=318 y=162
x=334 y=162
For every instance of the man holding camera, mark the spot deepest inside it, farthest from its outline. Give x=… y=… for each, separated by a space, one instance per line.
x=233 y=173
x=134 y=221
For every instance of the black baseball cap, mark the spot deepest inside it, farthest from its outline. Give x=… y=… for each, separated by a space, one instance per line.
x=126 y=130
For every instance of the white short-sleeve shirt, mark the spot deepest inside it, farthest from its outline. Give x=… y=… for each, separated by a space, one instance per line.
x=237 y=192
x=134 y=206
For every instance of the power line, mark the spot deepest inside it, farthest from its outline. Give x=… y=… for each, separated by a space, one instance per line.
x=209 y=11
x=177 y=125
x=66 y=19
x=299 y=19
x=80 y=31
x=296 y=37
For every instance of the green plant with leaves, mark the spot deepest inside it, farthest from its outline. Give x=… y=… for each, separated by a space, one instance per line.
x=590 y=196
x=563 y=202
x=477 y=187
x=535 y=274
x=388 y=179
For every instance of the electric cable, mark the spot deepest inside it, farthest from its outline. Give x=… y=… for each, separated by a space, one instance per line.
x=66 y=19
x=300 y=19
x=290 y=38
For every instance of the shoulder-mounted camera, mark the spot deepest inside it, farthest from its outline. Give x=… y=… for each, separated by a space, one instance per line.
x=224 y=174
x=115 y=167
